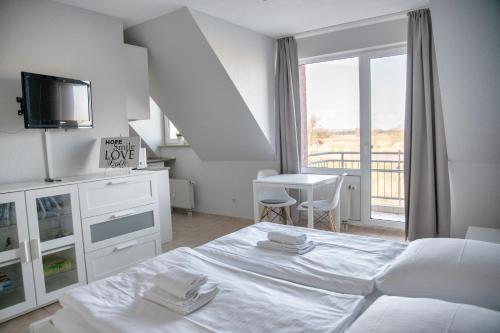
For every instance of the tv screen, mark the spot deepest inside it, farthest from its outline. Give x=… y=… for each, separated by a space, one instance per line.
x=55 y=102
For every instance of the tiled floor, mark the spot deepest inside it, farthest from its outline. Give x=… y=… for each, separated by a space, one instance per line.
x=191 y=232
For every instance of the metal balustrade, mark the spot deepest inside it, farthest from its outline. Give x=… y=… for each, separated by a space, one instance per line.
x=387 y=186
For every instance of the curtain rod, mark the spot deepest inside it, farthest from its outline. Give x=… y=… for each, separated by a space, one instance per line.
x=356 y=24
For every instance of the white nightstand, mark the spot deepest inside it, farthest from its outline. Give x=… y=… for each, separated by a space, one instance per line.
x=483 y=234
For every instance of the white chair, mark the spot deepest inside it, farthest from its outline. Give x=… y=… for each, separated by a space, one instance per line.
x=326 y=207
x=274 y=200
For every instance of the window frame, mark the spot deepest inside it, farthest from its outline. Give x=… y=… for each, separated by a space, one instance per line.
x=364 y=56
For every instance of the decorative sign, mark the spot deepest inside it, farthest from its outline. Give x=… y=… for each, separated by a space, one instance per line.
x=120 y=152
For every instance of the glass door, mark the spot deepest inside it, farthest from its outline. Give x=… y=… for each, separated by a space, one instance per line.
x=387 y=112
x=383 y=77
x=56 y=240
x=16 y=274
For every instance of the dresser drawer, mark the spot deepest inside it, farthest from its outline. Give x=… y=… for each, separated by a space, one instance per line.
x=118 y=227
x=117 y=258
x=112 y=195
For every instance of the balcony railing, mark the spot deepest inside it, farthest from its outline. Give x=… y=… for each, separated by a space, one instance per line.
x=386 y=173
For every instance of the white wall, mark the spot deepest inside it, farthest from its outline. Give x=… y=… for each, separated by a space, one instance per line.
x=137 y=82
x=215 y=81
x=218 y=183
x=468 y=52
x=151 y=130
x=356 y=38
x=192 y=87
x=49 y=38
x=248 y=57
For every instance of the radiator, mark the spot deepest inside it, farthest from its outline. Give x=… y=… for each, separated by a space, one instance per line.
x=182 y=193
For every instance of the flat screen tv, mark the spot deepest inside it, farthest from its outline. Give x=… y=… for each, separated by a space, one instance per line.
x=56 y=102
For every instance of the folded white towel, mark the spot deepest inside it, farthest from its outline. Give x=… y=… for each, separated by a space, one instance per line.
x=287 y=237
x=299 y=249
x=179 y=305
x=180 y=282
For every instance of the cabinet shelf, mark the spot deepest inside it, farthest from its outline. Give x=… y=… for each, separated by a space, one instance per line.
x=8 y=227
x=61 y=280
x=11 y=297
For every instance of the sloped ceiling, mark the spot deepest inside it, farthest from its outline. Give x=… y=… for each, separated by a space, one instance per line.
x=248 y=59
x=192 y=87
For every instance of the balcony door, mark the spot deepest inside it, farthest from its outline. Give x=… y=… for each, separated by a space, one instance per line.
x=352 y=121
x=384 y=77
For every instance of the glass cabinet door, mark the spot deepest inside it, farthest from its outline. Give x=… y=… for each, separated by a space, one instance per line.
x=16 y=274
x=56 y=240
x=9 y=238
x=55 y=217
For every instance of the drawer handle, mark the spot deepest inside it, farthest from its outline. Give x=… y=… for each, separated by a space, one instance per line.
x=122 y=214
x=118 y=182
x=126 y=245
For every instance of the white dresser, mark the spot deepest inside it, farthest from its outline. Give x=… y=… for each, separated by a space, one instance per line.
x=57 y=236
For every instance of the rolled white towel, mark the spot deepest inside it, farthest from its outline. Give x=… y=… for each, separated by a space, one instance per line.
x=179 y=305
x=297 y=248
x=287 y=237
x=180 y=282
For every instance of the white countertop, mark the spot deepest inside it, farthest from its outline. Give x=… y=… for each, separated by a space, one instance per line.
x=36 y=184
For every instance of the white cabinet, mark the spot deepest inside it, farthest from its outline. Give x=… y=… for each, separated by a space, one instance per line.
x=55 y=241
x=54 y=237
x=17 y=290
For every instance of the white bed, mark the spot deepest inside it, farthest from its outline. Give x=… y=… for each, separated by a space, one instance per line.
x=247 y=302
x=340 y=262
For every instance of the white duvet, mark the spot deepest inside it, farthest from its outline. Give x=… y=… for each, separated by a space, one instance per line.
x=246 y=302
x=340 y=262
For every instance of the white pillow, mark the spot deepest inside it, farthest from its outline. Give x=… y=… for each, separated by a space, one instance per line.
x=456 y=270
x=391 y=314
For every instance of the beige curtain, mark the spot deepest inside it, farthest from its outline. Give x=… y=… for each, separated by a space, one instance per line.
x=427 y=187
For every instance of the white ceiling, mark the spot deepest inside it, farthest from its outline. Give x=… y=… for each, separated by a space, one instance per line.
x=275 y=18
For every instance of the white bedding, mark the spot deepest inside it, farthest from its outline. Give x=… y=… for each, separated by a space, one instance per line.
x=390 y=314
x=246 y=302
x=340 y=262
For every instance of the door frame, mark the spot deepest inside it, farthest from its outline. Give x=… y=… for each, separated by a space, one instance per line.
x=364 y=56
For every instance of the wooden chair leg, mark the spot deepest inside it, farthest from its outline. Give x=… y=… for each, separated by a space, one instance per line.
x=263 y=213
x=283 y=215
x=270 y=214
x=331 y=221
x=287 y=216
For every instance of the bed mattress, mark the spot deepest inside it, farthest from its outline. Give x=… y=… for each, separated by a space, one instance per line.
x=340 y=262
x=246 y=302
